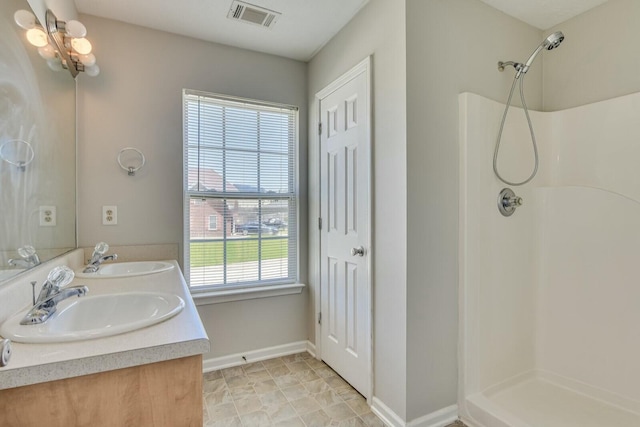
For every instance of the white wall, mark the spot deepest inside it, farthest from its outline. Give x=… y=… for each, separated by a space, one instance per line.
x=377 y=30
x=137 y=101
x=598 y=59
x=453 y=46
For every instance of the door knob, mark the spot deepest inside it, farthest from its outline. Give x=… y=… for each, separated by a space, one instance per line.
x=357 y=251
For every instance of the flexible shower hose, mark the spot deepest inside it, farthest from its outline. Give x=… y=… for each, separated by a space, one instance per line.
x=533 y=136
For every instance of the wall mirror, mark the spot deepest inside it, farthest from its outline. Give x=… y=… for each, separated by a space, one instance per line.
x=37 y=152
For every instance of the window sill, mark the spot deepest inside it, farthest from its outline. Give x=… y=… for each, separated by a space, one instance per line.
x=229 y=295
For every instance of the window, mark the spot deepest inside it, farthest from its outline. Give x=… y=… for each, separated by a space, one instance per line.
x=213 y=222
x=239 y=180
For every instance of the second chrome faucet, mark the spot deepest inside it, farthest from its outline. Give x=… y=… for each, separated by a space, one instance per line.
x=98 y=257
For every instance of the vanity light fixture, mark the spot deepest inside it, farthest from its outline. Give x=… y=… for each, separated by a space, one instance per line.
x=62 y=44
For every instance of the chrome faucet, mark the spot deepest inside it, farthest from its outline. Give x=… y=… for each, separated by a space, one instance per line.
x=98 y=257
x=29 y=257
x=51 y=294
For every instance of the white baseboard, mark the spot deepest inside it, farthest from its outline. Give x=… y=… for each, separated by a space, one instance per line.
x=311 y=348
x=222 y=362
x=385 y=413
x=440 y=418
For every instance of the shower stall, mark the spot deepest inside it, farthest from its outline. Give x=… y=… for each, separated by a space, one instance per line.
x=550 y=296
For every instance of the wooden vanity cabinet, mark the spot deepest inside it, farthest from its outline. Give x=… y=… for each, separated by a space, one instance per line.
x=165 y=393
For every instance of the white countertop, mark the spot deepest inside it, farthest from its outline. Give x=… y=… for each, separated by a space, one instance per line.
x=180 y=336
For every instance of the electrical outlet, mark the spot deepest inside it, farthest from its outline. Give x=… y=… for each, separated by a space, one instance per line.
x=48 y=217
x=109 y=215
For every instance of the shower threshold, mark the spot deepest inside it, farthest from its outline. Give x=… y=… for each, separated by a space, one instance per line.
x=537 y=402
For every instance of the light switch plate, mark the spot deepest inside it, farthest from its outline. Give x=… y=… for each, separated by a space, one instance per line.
x=109 y=215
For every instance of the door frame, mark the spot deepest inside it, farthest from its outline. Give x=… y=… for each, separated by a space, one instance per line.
x=363 y=66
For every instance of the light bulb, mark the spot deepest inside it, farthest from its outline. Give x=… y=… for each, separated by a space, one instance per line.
x=93 y=70
x=47 y=52
x=25 y=19
x=87 y=60
x=75 y=29
x=37 y=37
x=81 y=45
x=55 y=64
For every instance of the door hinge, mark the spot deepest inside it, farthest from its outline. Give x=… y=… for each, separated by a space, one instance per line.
x=320 y=318
x=319 y=223
x=320 y=128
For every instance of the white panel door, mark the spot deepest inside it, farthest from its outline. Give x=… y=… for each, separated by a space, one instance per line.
x=345 y=236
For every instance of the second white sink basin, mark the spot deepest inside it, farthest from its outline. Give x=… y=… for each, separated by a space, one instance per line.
x=96 y=317
x=126 y=269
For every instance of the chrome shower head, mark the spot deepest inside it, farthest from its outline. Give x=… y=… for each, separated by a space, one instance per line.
x=549 y=43
x=553 y=41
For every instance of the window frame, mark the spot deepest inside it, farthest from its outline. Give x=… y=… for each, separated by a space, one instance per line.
x=233 y=291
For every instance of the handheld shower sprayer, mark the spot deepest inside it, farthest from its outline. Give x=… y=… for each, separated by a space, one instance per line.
x=551 y=42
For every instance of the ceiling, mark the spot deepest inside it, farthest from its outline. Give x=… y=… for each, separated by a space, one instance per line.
x=304 y=27
x=543 y=14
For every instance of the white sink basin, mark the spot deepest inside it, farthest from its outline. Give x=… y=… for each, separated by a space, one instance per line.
x=96 y=317
x=126 y=269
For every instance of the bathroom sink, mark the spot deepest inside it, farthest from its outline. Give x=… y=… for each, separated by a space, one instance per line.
x=96 y=317
x=126 y=269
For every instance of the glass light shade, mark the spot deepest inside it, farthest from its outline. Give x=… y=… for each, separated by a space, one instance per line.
x=75 y=29
x=93 y=70
x=81 y=45
x=47 y=52
x=25 y=19
x=37 y=37
x=87 y=60
x=55 y=64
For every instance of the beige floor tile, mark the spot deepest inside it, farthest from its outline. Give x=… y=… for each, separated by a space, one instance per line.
x=298 y=366
x=266 y=386
x=243 y=392
x=305 y=405
x=306 y=376
x=286 y=381
x=256 y=419
x=339 y=412
x=248 y=405
x=279 y=371
x=291 y=422
x=358 y=405
x=273 y=398
x=316 y=419
x=327 y=398
x=222 y=411
x=291 y=391
x=232 y=372
x=295 y=392
x=280 y=412
x=228 y=422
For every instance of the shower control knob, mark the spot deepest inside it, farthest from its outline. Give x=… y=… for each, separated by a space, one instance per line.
x=357 y=251
x=508 y=202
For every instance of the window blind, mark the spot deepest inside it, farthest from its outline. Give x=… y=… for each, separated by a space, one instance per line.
x=239 y=168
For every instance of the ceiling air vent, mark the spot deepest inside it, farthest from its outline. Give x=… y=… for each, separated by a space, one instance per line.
x=253 y=14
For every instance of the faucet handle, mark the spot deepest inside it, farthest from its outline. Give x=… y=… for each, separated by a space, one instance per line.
x=26 y=251
x=60 y=276
x=101 y=248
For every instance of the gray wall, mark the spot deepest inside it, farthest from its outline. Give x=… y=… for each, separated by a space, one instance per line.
x=378 y=30
x=137 y=101
x=453 y=46
x=599 y=58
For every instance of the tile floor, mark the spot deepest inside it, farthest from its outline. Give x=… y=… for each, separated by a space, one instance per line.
x=295 y=390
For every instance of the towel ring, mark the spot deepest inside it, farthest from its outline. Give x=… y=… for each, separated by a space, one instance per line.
x=20 y=164
x=131 y=170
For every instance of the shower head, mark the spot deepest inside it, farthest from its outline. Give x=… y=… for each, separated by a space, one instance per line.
x=549 y=43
